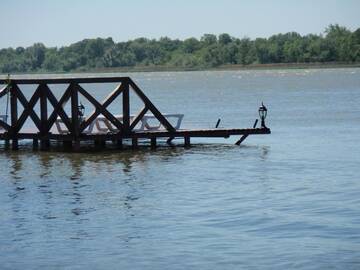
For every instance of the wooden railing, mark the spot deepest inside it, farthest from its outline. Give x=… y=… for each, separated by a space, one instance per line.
x=43 y=94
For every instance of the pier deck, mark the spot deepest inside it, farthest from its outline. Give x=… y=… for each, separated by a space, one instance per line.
x=76 y=123
x=205 y=133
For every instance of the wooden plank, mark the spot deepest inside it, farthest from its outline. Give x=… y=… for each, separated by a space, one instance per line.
x=44 y=144
x=219 y=133
x=14 y=116
x=138 y=117
x=243 y=137
x=58 y=108
x=74 y=110
x=27 y=106
x=126 y=107
x=100 y=108
x=43 y=107
x=13 y=107
x=210 y=133
x=151 y=107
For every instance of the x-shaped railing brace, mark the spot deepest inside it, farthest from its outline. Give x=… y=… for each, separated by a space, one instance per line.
x=101 y=108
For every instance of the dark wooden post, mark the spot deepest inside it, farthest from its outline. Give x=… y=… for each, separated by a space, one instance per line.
x=134 y=142
x=153 y=142
x=44 y=143
x=35 y=144
x=103 y=143
x=14 y=116
x=187 y=141
x=67 y=145
x=75 y=116
x=119 y=143
x=242 y=139
x=100 y=143
x=7 y=144
x=126 y=107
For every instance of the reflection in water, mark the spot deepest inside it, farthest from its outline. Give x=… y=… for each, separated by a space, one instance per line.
x=264 y=152
x=16 y=165
x=72 y=188
x=70 y=174
x=46 y=164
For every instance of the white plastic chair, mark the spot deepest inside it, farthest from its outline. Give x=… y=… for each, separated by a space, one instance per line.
x=147 y=126
x=62 y=129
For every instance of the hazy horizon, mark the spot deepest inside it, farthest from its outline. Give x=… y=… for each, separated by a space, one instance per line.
x=61 y=23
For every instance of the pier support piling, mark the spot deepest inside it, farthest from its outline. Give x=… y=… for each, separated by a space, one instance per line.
x=44 y=145
x=15 y=144
x=186 y=141
x=7 y=144
x=134 y=142
x=76 y=145
x=67 y=145
x=119 y=143
x=100 y=143
x=153 y=142
x=35 y=144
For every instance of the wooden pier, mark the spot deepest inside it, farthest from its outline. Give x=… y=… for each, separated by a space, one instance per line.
x=76 y=124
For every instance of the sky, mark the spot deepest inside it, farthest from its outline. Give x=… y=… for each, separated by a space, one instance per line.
x=63 y=22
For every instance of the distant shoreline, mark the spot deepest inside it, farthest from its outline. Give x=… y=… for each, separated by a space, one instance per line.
x=224 y=67
x=219 y=68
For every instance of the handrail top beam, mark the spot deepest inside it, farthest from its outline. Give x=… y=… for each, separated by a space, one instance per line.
x=67 y=80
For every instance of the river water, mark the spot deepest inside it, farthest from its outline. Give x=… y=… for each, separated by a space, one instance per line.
x=281 y=201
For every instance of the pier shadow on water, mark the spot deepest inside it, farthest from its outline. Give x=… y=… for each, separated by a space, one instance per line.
x=58 y=163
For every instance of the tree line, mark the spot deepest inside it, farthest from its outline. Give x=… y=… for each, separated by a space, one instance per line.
x=336 y=44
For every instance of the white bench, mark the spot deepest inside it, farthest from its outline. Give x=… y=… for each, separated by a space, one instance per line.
x=145 y=122
x=62 y=129
x=147 y=126
x=103 y=125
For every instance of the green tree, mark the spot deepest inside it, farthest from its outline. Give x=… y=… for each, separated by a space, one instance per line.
x=208 y=39
x=190 y=45
x=224 y=39
x=36 y=55
x=336 y=44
